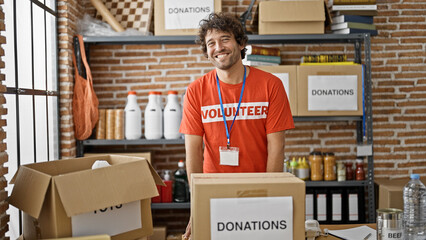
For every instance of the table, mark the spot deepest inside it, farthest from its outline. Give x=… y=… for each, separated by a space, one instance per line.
x=341 y=226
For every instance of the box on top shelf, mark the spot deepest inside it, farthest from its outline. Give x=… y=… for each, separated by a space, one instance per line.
x=173 y=17
x=288 y=75
x=247 y=206
x=330 y=90
x=291 y=17
x=66 y=198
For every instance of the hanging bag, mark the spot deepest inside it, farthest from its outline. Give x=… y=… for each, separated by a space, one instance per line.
x=84 y=102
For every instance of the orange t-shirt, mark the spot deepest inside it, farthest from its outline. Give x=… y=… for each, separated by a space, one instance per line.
x=264 y=109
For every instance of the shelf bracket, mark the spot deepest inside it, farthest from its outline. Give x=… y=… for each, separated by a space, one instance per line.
x=247 y=15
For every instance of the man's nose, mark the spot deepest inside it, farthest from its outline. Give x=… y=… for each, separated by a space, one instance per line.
x=219 y=46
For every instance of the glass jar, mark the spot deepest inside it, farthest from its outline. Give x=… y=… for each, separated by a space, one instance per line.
x=349 y=171
x=341 y=171
x=317 y=166
x=359 y=172
x=329 y=167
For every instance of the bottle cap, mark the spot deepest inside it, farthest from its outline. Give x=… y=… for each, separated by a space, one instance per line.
x=131 y=93
x=173 y=92
x=415 y=176
x=152 y=93
x=181 y=163
x=167 y=175
x=293 y=163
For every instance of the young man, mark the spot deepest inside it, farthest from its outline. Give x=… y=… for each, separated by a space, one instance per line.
x=253 y=102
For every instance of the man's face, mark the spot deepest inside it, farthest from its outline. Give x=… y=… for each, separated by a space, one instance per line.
x=222 y=49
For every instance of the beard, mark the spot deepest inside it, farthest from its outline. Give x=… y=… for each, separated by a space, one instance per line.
x=227 y=62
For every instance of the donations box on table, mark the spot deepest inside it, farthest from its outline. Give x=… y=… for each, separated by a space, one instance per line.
x=67 y=198
x=182 y=17
x=249 y=206
x=330 y=90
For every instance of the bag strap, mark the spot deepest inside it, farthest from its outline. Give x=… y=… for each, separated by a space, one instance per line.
x=83 y=58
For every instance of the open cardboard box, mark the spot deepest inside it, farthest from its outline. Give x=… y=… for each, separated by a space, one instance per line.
x=255 y=191
x=66 y=198
x=389 y=192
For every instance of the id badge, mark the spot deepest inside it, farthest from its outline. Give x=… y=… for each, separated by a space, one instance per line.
x=229 y=156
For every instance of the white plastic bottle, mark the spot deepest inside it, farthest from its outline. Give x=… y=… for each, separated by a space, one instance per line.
x=153 y=117
x=172 y=116
x=414 y=195
x=133 y=117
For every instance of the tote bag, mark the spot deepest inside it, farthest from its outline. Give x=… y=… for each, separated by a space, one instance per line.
x=84 y=102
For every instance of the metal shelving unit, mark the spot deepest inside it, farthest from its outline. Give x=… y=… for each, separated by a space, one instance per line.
x=364 y=125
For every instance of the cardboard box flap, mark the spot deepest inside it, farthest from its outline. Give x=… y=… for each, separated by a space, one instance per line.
x=89 y=190
x=29 y=191
x=292 y=11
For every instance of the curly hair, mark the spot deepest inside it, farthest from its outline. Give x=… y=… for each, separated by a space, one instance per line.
x=224 y=22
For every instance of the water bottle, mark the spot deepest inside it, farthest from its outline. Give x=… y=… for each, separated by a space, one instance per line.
x=153 y=117
x=181 y=187
x=133 y=117
x=172 y=116
x=414 y=209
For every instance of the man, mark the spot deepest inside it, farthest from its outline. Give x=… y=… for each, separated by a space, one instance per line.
x=254 y=103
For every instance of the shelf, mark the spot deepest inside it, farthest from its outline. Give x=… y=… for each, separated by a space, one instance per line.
x=335 y=183
x=327 y=118
x=103 y=142
x=185 y=205
x=253 y=39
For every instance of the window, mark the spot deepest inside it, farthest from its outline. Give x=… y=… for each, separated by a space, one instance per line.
x=32 y=98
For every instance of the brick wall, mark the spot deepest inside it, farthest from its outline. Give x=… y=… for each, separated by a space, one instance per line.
x=69 y=11
x=4 y=217
x=398 y=74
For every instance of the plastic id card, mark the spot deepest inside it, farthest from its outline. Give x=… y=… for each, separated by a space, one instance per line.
x=229 y=156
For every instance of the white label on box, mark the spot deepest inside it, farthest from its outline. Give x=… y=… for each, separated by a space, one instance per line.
x=322 y=207
x=251 y=218
x=285 y=80
x=186 y=14
x=336 y=207
x=333 y=93
x=353 y=207
x=309 y=206
x=112 y=221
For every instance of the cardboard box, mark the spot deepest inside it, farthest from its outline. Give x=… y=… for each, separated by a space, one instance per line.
x=182 y=17
x=57 y=196
x=93 y=237
x=389 y=192
x=291 y=17
x=233 y=205
x=146 y=155
x=288 y=75
x=329 y=90
x=159 y=234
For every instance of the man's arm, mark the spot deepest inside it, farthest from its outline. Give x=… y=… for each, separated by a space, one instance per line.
x=275 y=162
x=194 y=155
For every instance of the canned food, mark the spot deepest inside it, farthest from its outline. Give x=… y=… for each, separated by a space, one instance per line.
x=389 y=224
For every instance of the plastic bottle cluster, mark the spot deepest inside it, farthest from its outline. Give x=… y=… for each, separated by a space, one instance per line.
x=158 y=123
